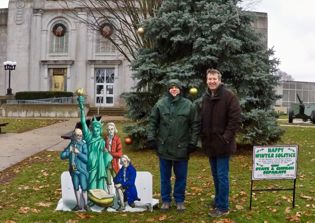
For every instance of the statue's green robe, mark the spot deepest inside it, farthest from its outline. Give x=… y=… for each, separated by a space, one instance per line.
x=98 y=161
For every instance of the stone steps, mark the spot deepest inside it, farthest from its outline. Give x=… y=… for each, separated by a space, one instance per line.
x=110 y=111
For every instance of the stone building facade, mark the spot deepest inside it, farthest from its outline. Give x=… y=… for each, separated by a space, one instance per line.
x=54 y=51
x=3 y=46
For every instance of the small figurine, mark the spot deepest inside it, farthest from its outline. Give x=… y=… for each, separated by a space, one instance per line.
x=124 y=183
x=77 y=154
x=114 y=147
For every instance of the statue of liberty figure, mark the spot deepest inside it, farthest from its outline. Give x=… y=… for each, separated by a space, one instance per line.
x=99 y=160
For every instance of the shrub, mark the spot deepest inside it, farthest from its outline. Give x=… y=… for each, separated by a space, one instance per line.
x=30 y=95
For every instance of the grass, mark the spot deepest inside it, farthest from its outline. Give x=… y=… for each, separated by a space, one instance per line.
x=19 y=125
x=29 y=191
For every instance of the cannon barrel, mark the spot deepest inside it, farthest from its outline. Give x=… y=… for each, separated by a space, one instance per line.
x=297 y=95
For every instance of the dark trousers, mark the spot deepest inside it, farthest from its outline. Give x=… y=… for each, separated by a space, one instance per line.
x=220 y=173
x=180 y=170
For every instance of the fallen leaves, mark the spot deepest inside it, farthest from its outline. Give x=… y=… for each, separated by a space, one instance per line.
x=239 y=207
x=84 y=215
x=287 y=210
x=196 y=189
x=274 y=210
x=309 y=198
x=295 y=218
x=225 y=220
x=162 y=217
x=22 y=187
x=288 y=199
x=72 y=221
x=25 y=210
x=43 y=204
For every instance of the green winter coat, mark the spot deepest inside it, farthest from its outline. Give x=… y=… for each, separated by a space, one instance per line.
x=173 y=125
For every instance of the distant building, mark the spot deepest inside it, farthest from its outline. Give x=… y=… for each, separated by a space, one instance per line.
x=54 y=51
x=289 y=90
x=261 y=26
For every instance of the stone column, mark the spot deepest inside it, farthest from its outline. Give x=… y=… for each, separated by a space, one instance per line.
x=81 y=53
x=35 y=51
x=18 y=45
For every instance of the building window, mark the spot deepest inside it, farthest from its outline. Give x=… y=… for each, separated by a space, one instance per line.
x=104 y=85
x=103 y=44
x=59 y=39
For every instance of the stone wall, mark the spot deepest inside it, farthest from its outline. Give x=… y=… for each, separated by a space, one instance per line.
x=41 y=110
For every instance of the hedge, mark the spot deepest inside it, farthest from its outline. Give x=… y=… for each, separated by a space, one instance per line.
x=30 y=95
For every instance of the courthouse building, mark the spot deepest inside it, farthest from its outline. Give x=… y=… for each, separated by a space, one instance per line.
x=54 y=51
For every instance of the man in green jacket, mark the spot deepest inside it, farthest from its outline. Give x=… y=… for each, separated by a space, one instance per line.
x=173 y=132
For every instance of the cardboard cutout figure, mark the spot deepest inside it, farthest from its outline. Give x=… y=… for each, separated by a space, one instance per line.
x=114 y=147
x=77 y=154
x=98 y=159
x=125 y=183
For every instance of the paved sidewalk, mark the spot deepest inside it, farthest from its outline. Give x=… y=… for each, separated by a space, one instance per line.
x=15 y=147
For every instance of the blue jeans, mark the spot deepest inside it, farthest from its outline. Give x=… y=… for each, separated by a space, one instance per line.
x=220 y=173
x=180 y=170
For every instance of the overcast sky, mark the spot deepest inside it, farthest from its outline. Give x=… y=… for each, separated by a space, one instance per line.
x=291 y=32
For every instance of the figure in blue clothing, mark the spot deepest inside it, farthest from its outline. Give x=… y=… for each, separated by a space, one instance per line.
x=124 y=183
x=77 y=154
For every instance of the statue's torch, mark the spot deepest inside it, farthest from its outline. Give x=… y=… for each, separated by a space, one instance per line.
x=80 y=92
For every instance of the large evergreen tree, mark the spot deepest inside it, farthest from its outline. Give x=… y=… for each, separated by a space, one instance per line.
x=188 y=38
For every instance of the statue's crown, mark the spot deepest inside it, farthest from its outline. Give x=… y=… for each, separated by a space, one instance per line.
x=96 y=122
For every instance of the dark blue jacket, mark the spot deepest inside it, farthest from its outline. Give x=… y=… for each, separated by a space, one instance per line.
x=128 y=182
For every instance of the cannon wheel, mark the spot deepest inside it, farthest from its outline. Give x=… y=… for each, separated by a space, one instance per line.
x=290 y=116
x=313 y=117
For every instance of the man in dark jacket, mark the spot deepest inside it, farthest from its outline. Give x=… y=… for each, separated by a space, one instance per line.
x=173 y=129
x=220 y=115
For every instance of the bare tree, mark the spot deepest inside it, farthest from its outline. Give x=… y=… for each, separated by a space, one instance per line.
x=284 y=76
x=117 y=20
x=249 y=5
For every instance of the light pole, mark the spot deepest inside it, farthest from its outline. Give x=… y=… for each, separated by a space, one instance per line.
x=9 y=65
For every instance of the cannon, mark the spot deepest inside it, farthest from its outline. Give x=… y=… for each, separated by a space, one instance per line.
x=302 y=111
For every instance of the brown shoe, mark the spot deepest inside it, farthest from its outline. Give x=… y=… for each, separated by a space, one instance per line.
x=165 y=206
x=180 y=206
x=216 y=213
